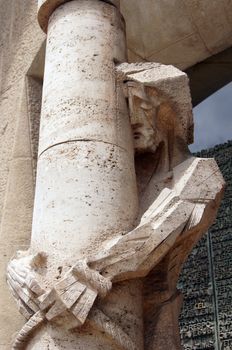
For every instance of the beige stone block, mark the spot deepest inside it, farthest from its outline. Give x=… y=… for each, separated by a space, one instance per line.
x=21 y=39
x=193 y=48
x=157 y=26
x=212 y=22
x=17 y=213
x=144 y=22
x=10 y=104
x=134 y=57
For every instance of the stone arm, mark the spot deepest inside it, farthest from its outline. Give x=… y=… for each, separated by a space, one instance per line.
x=174 y=213
x=137 y=252
x=196 y=183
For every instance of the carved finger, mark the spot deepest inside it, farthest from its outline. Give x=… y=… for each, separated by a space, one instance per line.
x=33 y=285
x=57 y=309
x=23 y=294
x=29 y=281
x=69 y=290
x=15 y=276
x=24 y=309
x=84 y=304
x=47 y=299
x=13 y=292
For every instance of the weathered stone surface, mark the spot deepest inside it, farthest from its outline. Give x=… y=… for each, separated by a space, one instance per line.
x=181 y=33
x=20 y=40
x=86 y=224
x=47 y=7
x=164 y=88
x=177 y=205
x=89 y=165
x=84 y=129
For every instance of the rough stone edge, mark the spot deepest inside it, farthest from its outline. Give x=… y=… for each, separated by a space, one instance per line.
x=47 y=7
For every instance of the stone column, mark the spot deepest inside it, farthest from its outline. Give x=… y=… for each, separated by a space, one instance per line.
x=86 y=187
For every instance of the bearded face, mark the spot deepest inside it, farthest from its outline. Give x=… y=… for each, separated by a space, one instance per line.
x=144 y=110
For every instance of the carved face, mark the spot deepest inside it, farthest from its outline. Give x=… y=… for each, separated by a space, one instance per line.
x=143 y=114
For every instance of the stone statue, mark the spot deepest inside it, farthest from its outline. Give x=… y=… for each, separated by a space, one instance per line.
x=178 y=199
x=179 y=196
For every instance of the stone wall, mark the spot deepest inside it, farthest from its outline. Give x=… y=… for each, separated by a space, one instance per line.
x=206 y=280
x=20 y=96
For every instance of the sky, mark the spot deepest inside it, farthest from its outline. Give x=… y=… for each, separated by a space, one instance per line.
x=213 y=120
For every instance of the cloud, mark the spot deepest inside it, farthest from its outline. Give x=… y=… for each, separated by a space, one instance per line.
x=213 y=120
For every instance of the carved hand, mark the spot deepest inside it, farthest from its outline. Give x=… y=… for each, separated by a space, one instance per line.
x=22 y=282
x=76 y=292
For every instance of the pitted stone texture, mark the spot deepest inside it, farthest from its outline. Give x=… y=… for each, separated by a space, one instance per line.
x=85 y=132
x=168 y=93
x=85 y=179
x=82 y=103
x=47 y=7
x=76 y=183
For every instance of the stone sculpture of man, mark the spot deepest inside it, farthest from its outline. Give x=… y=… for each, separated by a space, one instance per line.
x=179 y=196
x=110 y=231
